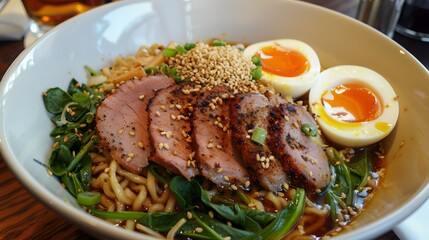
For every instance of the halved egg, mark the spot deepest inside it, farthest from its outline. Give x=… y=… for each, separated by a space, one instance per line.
x=289 y=65
x=354 y=106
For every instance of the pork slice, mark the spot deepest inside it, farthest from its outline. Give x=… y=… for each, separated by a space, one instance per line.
x=302 y=158
x=170 y=129
x=122 y=121
x=212 y=139
x=248 y=112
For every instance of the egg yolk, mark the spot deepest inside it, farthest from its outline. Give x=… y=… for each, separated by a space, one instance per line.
x=351 y=103
x=283 y=62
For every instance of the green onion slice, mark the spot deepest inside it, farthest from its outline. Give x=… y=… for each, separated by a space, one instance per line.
x=189 y=46
x=259 y=135
x=309 y=130
x=256 y=60
x=218 y=43
x=181 y=50
x=169 y=52
x=88 y=198
x=257 y=73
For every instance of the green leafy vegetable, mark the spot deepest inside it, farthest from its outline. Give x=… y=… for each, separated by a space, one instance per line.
x=285 y=219
x=73 y=114
x=88 y=198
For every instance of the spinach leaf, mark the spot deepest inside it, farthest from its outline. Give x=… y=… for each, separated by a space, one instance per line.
x=285 y=219
x=55 y=99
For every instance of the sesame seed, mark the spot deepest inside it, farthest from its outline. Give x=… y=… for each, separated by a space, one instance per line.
x=189 y=215
x=140 y=144
x=199 y=229
x=120 y=131
x=226 y=178
x=132 y=133
x=234 y=187
x=141 y=97
x=211 y=214
x=210 y=145
x=247 y=184
x=158 y=113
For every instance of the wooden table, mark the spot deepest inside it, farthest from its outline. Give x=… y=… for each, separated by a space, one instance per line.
x=24 y=217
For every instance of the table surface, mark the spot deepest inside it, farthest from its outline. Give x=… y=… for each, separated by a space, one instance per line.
x=24 y=217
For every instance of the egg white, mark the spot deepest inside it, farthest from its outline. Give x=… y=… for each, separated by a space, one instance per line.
x=355 y=134
x=289 y=86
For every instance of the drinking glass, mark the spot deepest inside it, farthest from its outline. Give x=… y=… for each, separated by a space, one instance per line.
x=381 y=14
x=414 y=20
x=45 y=14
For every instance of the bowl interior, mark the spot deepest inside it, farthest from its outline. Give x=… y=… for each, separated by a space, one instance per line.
x=96 y=37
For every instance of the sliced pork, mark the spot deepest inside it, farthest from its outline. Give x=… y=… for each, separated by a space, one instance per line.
x=212 y=139
x=122 y=121
x=248 y=112
x=170 y=129
x=302 y=158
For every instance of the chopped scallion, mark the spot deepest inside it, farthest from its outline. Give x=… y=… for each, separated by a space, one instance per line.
x=169 y=52
x=218 y=43
x=309 y=130
x=189 y=46
x=151 y=70
x=181 y=50
x=256 y=60
x=257 y=73
x=259 y=135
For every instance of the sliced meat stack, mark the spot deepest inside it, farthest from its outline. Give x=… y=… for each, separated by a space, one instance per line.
x=199 y=131
x=122 y=121
x=216 y=156
x=248 y=112
x=170 y=129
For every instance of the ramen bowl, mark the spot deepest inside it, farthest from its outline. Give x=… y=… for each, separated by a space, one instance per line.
x=95 y=38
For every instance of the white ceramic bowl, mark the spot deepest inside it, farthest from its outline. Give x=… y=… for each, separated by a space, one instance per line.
x=96 y=37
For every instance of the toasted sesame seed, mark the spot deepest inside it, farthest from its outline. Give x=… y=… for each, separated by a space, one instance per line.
x=247 y=184
x=210 y=145
x=226 y=178
x=140 y=144
x=234 y=187
x=199 y=229
x=160 y=146
x=158 y=113
x=121 y=130
x=141 y=97
x=211 y=214
x=189 y=215
x=132 y=133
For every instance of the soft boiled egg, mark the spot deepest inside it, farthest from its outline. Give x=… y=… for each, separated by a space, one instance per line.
x=354 y=106
x=289 y=65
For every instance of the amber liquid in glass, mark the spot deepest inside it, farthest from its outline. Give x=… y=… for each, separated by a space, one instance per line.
x=53 y=12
